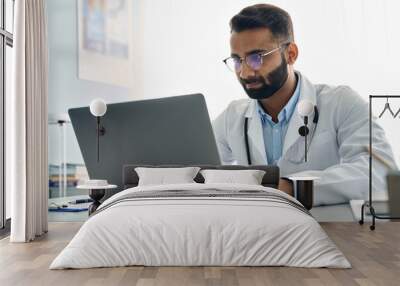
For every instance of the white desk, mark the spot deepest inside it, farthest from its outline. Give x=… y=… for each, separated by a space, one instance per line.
x=333 y=213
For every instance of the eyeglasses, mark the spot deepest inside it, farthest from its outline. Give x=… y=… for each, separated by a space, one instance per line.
x=253 y=61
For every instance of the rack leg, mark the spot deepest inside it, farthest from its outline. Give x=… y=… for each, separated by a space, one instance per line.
x=372 y=210
x=361 y=221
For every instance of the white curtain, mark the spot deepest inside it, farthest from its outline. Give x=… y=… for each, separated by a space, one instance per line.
x=28 y=123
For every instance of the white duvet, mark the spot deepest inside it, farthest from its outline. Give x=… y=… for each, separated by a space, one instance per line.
x=200 y=231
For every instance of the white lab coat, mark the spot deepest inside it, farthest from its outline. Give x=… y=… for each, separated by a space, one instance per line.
x=337 y=153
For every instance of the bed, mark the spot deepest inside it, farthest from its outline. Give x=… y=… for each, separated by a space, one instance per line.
x=201 y=224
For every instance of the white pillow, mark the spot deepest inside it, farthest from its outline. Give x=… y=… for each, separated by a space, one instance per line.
x=248 y=177
x=162 y=176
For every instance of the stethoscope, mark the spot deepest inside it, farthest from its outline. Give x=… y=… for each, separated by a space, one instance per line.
x=303 y=131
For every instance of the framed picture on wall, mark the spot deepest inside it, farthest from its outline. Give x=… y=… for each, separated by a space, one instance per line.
x=105 y=41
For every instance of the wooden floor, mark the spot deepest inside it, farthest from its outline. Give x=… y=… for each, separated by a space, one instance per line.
x=375 y=257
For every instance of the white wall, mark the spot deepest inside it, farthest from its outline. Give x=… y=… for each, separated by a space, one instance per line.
x=179 y=47
x=65 y=89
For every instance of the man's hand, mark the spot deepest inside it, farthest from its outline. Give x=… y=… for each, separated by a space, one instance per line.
x=286 y=186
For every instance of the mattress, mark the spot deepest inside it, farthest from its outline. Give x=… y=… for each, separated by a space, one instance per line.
x=201 y=225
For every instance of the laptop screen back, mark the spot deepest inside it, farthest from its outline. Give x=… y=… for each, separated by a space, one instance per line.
x=173 y=130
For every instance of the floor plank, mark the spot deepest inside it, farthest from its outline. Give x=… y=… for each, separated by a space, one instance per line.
x=374 y=255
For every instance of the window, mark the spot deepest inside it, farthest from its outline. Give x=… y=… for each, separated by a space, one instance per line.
x=6 y=44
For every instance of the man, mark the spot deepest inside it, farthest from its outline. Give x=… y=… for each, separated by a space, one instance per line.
x=263 y=53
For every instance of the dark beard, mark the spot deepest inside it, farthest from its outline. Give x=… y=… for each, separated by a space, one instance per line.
x=276 y=78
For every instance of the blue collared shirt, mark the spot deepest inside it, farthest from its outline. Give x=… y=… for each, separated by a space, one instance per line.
x=274 y=133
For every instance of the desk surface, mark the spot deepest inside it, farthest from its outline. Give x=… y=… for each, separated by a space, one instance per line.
x=333 y=213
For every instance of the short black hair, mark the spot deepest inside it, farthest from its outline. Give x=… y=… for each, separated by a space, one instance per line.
x=268 y=16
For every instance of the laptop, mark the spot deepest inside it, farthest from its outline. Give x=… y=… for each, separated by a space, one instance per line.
x=172 y=130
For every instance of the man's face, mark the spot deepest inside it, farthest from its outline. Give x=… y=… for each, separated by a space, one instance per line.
x=269 y=78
